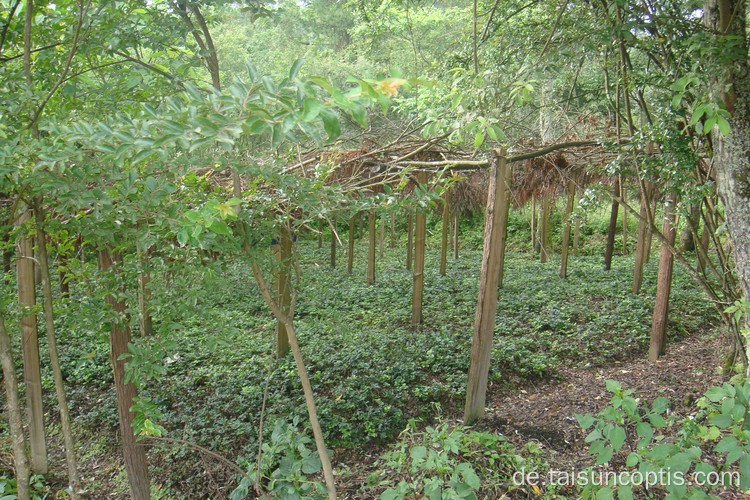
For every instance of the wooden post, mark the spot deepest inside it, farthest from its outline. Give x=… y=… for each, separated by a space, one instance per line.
x=612 y=227
x=350 y=264
x=544 y=229
x=566 y=231
x=503 y=194
x=658 y=344
x=444 y=233
x=484 y=322
x=419 y=247
x=284 y=286
x=334 y=240
x=640 y=249
x=26 y=282
x=119 y=338
x=410 y=240
x=371 y=250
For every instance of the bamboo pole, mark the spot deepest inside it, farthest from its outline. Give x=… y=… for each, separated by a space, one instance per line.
x=484 y=322
x=334 y=242
x=624 y=197
x=612 y=227
x=544 y=230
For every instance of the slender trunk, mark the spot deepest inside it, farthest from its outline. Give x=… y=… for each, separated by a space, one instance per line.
x=350 y=257
x=371 y=249
x=361 y=224
x=334 y=242
x=640 y=249
x=31 y=370
x=410 y=240
x=119 y=338
x=284 y=286
x=320 y=233
x=303 y=376
x=484 y=322
x=649 y=232
x=612 y=227
x=624 y=197
x=62 y=400
x=658 y=344
x=566 y=231
x=145 y=321
x=419 y=248
x=534 y=245
x=15 y=419
x=544 y=230
x=444 y=232
x=381 y=238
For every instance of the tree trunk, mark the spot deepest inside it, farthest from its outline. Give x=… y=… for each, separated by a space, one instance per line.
x=503 y=193
x=445 y=231
x=410 y=240
x=649 y=233
x=334 y=241
x=119 y=338
x=455 y=234
x=576 y=233
x=566 y=231
x=419 y=248
x=320 y=233
x=62 y=400
x=484 y=322
x=25 y=277
x=393 y=229
x=350 y=256
x=15 y=419
x=612 y=228
x=534 y=239
x=284 y=286
x=658 y=344
x=381 y=238
x=371 y=249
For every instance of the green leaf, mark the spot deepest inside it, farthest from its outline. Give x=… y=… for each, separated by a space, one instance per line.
x=723 y=421
x=604 y=456
x=724 y=127
x=613 y=385
x=330 y=123
x=359 y=113
x=605 y=494
x=479 y=139
x=418 y=453
x=312 y=464
x=745 y=472
x=294 y=71
x=633 y=459
x=311 y=109
x=710 y=122
x=617 y=437
x=219 y=227
x=680 y=462
x=625 y=493
x=644 y=430
x=586 y=420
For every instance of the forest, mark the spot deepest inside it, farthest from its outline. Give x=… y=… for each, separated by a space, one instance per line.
x=374 y=249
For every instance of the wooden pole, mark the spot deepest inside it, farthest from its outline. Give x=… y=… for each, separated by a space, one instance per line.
x=284 y=286
x=534 y=246
x=612 y=227
x=419 y=248
x=381 y=238
x=658 y=343
x=640 y=249
x=484 y=322
x=350 y=256
x=410 y=240
x=445 y=231
x=576 y=232
x=334 y=241
x=26 y=282
x=624 y=197
x=503 y=194
x=371 y=250
x=566 y=231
